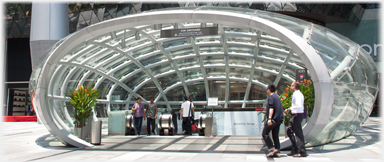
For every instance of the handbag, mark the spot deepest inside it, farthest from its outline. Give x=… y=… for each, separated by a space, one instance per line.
x=191 y=118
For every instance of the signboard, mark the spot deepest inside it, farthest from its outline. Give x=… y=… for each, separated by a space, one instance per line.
x=301 y=74
x=188 y=32
x=213 y=101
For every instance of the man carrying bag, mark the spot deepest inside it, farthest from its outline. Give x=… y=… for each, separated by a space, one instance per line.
x=185 y=112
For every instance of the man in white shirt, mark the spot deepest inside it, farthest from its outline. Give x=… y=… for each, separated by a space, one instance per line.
x=185 y=114
x=294 y=127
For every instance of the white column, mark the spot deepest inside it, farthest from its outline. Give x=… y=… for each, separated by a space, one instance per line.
x=49 y=24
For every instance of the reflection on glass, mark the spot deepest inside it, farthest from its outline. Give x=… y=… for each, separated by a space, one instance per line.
x=197 y=91
x=217 y=89
x=237 y=91
x=257 y=92
x=176 y=94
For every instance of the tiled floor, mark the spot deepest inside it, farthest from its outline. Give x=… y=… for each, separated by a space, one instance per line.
x=29 y=141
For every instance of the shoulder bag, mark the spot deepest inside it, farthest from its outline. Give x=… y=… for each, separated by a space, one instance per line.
x=191 y=118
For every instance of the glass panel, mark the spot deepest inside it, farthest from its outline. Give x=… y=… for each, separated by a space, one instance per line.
x=213 y=38
x=113 y=64
x=275 y=45
x=92 y=78
x=329 y=46
x=215 y=72
x=187 y=63
x=79 y=76
x=91 y=53
x=237 y=91
x=240 y=49
x=119 y=94
x=217 y=89
x=344 y=118
x=101 y=110
x=239 y=73
x=236 y=60
x=211 y=49
x=165 y=67
x=61 y=111
x=296 y=25
x=101 y=58
x=117 y=107
x=358 y=72
x=168 y=81
x=270 y=53
x=148 y=90
x=271 y=66
x=153 y=60
x=264 y=78
x=197 y=91
x=370 y=67
x=136 y=79
x=176 y=94
x=282 y=84
x=125 y=71
x=74 y=52
x=174 y=43
x=143 y=51
x=213 y=60
x=192 y=74
x=183 y=52
x=257 y=92
x=235 y=30
x=132 y=43
x=241 y=39
x=105 y=85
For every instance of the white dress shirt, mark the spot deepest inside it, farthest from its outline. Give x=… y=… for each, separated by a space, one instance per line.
x=297 y=102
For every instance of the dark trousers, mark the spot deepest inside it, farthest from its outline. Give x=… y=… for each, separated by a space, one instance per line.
x=137 y=122
x=275 y=134
x=294 y=129
x=187 y=125
x=150 y=122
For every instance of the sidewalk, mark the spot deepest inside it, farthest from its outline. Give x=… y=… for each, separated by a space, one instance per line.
x=29 y=141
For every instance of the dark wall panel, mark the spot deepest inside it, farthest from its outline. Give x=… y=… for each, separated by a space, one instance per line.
x=18 y=61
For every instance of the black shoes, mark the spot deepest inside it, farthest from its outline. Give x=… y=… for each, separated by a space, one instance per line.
x=293 y=152
x=301 y=154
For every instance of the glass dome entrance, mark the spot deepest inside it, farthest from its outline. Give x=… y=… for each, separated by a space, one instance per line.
x=252 y=49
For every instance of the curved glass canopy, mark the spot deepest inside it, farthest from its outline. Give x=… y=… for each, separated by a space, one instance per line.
x=127 y=57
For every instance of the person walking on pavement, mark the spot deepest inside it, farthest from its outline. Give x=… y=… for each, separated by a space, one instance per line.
x=187 y=110
x=151 y=114
x=138 y=109
x=294 y=127
x=274 y=112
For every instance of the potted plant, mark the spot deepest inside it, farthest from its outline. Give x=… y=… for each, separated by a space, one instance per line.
x=83 y=100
